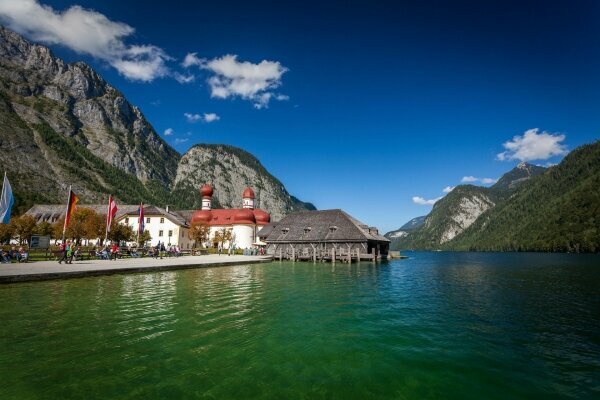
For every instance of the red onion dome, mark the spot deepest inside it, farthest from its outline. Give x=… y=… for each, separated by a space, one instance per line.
x=262 y=217
x=206 y=190
x=248 y=193
x=203 y=216
x=244 y=216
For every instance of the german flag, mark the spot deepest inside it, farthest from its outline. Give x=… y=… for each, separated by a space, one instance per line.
x=73 y=200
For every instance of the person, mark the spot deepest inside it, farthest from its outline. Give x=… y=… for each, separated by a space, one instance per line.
x=219 y=249
x=157 y=250
x=162 y=250
x=4 y=257
x=104 y=253
x=22 y=255
x=114 y=251
x=63 y=251
x=69 y=253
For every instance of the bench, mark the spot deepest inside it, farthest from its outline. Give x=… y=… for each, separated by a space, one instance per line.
x=200 y=252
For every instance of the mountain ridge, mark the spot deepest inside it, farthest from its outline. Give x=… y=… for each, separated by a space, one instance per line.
x=67 y=126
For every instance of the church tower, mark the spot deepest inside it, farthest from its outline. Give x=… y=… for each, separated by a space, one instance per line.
x=206 y=191
x=248 y=199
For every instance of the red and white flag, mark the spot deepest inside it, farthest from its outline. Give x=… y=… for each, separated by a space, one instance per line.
x=112 y=211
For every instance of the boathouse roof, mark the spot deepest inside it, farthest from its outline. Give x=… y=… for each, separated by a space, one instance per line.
x=322 y=226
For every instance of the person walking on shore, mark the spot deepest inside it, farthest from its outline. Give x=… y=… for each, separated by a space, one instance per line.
x=63 y=250
x=69 y=253
x=162 y=250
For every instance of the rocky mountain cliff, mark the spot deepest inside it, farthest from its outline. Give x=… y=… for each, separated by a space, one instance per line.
x=464 y=205
x=62 y=124
x=230 y=170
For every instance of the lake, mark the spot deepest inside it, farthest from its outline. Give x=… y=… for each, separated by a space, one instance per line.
x=436 y=325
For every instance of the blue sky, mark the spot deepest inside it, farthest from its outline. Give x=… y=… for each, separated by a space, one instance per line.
x=381 y=107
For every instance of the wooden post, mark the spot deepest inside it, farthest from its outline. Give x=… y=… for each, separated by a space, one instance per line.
x=314 y=252
x=358 y=254
x=349 y=253
x=333 y=254
x=280 y=254
x=293 y=252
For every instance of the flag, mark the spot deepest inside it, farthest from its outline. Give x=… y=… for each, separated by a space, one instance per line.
x=112 y=211
x=6 y=201
x=141 y=221
x=73 y=199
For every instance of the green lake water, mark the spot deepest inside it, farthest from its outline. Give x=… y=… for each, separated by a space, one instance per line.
x=437 y=325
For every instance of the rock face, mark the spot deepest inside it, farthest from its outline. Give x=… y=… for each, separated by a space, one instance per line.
x=75 y=101
x=230 y=170
x=62 y=124
x=468 y=210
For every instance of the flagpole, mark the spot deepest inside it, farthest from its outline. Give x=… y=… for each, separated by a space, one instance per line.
x=66 y=212
x=139 y=223
x=106 y=223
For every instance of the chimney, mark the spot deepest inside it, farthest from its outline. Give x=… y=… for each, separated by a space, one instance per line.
x=167 y=208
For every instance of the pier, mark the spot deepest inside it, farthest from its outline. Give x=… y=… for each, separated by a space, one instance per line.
x=48 y=270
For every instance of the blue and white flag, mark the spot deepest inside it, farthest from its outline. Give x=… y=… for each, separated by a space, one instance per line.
x=6 y=201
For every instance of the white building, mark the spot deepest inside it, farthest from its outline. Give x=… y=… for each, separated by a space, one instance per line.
x=244 y=223
x=164 y=226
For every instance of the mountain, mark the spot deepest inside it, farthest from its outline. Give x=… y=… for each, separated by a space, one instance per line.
x=407 y=228
x=460 y=208
x=558 y=210
x=230 y=170
x=517 y=176
x=62 y=124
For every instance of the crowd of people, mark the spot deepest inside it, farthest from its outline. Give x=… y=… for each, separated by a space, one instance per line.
x=69 y=252
x=20 y=255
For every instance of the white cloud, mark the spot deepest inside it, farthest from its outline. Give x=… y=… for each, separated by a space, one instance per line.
x=169 y=131
x=191 y=59
x=473 y=179
x=181 y=140
x=233 y=78
x=87 y=32
x=184 y=78
x=422 y=201
x=206 y=117
x=448 y=189
x=211 y=117
x=533 y=145
x=192 y=117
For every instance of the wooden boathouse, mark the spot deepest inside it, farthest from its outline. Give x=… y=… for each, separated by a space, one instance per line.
x=327 y=235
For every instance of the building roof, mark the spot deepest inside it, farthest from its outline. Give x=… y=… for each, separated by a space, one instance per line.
x=322 y=226
x=266 y=230
x=53 y=212
x=230 y=216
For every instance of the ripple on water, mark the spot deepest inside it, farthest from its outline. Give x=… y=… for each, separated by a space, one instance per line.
x=436 y=325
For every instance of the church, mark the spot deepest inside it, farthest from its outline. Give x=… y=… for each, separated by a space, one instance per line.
x=244 y=223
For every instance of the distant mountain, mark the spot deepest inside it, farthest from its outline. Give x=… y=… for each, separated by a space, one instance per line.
x=406 y=228
x=62 y=124
x=523 y=172
x=230 y=170
x=558 y=210
x=460 y=208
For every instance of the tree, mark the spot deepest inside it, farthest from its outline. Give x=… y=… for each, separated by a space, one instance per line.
x=83 y=224
x=6 y=232
x=144 y=238
x=222 y=236
x=44 y=228
x=95 y=226
x=199 y=232
x=120 y=233
x=23 y=227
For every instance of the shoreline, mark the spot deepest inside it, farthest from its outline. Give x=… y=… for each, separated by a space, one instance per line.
x=51 y=270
